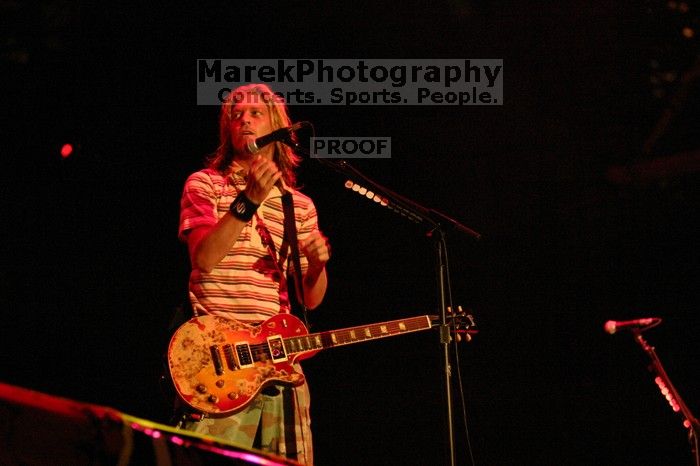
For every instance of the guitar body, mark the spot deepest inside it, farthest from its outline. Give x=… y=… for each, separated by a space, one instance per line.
x=219 y=365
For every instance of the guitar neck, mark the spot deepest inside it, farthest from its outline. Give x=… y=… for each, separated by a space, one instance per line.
x=348 y=336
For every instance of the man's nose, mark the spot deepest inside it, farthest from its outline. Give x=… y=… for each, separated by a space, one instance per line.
x=245 y=119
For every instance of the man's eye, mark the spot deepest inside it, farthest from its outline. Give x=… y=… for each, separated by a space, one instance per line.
x=236 y=115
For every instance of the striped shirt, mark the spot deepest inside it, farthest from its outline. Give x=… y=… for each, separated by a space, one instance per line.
x=246 y=284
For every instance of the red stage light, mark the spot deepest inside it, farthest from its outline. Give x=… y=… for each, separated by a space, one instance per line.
x=66 y=150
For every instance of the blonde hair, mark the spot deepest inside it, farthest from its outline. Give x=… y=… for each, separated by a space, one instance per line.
x=284 y=156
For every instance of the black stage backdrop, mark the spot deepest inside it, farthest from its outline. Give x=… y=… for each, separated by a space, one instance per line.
x=93 y=269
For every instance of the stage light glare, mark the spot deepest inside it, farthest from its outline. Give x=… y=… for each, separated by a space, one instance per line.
x=66 y=150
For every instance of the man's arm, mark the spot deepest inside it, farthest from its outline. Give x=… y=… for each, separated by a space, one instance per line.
x=317 y=252
x=315 y=285
x=209 y=244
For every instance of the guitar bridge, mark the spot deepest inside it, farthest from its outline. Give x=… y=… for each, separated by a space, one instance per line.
x=277 y=351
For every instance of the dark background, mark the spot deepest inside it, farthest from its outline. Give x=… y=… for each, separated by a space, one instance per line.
x=93 y=269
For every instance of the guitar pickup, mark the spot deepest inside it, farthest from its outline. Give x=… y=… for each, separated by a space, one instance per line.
x=277 y=351
x=228 y=356
x=245 y=357
x=216 y=359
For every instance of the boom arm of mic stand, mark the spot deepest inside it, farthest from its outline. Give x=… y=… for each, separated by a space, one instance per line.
x=416 y=210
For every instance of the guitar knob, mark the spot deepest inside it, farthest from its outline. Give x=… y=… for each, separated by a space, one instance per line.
x=201 y=388
x=220 y=383
x=232 y=396
x=213 y=398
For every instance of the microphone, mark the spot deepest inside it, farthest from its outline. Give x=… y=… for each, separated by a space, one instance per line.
x=281 y=134
x=613 y=326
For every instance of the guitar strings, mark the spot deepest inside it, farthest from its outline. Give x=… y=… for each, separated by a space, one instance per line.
x=345 y=335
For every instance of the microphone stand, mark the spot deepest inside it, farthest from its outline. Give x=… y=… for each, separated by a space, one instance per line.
x=435 y=221
x=672 y=395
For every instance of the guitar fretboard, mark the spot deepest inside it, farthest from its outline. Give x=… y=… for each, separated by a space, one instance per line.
x=347 y=336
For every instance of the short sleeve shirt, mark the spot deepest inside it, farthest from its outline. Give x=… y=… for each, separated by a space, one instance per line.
x=246 y=284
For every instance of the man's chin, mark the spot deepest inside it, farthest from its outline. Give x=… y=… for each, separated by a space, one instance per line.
x=241 y=150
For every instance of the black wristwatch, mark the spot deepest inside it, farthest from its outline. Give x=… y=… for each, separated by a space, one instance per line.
x=243 y=208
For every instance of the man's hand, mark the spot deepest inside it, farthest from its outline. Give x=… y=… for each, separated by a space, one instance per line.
x=317 y=250
x=262 y=176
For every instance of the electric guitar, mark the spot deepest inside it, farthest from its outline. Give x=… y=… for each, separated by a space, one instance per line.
x=219 y=365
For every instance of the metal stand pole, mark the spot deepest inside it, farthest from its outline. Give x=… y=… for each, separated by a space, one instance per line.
x=671 y=394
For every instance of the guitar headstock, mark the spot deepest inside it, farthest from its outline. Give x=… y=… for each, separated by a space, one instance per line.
x=461 y=323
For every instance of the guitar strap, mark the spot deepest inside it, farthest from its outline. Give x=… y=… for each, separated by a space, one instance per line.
x=288 y=408
x=289 y=243
x=290 y=234
x=266 y=239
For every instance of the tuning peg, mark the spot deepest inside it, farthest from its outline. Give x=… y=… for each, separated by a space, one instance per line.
x=471 y=320
x=463 y=335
